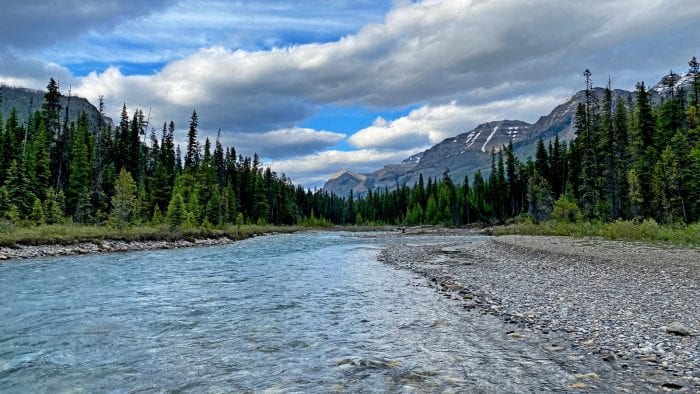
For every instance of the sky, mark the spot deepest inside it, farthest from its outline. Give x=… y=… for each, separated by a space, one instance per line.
x=316 y=86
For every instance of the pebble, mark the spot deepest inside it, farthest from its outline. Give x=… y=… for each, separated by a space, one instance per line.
x=609 y=298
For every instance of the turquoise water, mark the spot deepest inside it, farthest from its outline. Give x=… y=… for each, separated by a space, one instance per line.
x=312 y=312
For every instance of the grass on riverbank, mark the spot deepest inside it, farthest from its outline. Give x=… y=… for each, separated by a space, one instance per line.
x=66 y=234
x=648 y=231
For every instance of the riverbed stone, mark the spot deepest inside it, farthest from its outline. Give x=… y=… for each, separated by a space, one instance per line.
x=677 y=328
x=593 y=296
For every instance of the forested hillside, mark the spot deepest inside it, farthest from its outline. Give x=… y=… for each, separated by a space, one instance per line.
x=629 y=160
x=55 y=171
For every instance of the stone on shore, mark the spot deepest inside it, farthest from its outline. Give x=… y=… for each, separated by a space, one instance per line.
x=677 y=328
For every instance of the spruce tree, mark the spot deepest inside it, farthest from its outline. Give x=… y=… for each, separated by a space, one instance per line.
x=37 y=215
x=19 y=189
x=51 y=109
x=83 y=209
x=124 y=199
x=214 y=208
x=121 y=140
x=40 y=154
x=176 y=211
x=542 y=159
x=79 y=165
x=10 y=143
x=219 y=161
x=192 y=155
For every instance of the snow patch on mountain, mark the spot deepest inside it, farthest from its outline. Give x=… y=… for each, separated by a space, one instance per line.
x=483 y=148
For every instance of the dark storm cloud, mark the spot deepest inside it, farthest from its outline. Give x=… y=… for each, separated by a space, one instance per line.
x=27 y=24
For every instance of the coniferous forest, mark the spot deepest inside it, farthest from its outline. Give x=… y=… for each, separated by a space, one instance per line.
x=631 y=159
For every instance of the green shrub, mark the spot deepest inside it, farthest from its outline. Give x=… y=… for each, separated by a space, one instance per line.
x=648 y=231
x=566 y=210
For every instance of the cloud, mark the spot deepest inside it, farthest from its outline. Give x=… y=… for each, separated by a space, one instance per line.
x=461 y=62
x=29 y=72
x=284 y=143
x=429 y=52
x=26 y=24
x=314 y=170
x=429 y=125
x=26 y=27
x=186 y=26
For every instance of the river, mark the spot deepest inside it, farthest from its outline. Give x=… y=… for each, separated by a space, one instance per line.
x=307 y=312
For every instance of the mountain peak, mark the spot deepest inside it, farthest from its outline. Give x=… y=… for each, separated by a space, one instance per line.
x=348 y=173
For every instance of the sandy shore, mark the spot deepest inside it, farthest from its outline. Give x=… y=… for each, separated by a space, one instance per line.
x=635 y=306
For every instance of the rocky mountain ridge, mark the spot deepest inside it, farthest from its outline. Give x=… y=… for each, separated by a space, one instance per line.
x=468 y=152
x=27 y=101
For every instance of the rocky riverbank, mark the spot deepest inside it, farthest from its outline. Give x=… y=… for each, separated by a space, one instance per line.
x=634 y=306
x=102 y=246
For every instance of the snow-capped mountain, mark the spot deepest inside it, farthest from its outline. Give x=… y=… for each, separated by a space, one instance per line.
x=465 y=153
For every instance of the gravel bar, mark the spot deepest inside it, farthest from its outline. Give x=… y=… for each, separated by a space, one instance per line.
x=635 y=306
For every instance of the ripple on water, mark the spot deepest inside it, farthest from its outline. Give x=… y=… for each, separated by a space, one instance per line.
x=301 y=312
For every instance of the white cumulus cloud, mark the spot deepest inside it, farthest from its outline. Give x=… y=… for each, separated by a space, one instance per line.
x=429 y=125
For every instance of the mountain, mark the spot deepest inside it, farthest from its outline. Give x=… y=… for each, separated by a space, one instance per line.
x=468 y=152
x=345 y=180
x=673 y=81
x=27 y=101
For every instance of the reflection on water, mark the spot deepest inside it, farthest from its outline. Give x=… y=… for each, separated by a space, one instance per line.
x=308 y=312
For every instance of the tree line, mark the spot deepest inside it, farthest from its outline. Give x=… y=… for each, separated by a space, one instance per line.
x=54 y=170
x=630 y=159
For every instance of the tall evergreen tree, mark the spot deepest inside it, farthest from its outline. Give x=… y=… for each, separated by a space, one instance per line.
x=124 y=199
x=79 y=165
x=192 y=155
x=40 y=155
x=19 y=189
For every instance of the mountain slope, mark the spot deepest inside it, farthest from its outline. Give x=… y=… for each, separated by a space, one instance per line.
x=27 y=101
x=468 y=152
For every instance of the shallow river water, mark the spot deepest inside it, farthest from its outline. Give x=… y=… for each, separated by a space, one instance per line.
x=309 y=312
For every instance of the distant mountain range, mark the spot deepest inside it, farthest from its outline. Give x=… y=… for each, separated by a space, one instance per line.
x=27 y=101
x=468 y=152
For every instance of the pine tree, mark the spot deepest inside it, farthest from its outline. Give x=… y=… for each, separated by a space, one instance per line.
x=132 y=145
x=157 y=218
x=121 y=134
x=53 y=208
x=539 y=198
x=350 y=215
x=40 y=153
x=542 y=159
x=214 y=208
x=4 y=201
x=665 y=184
x=124 y=199
x=219 y=161
x=19 y=189
x=83 y=209
x=3 y=156
x=176 y=211
x=10 y=143
x=642 y=152
x=51 y=109
x=79 y=165
x=37 y=215
x=432 y=212
x=192 y=156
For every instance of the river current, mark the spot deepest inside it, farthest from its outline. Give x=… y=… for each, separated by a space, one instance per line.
x=308 y=312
